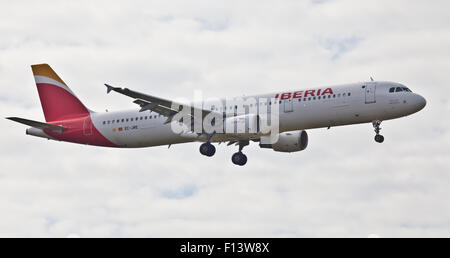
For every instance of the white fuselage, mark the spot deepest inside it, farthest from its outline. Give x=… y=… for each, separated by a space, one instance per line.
x=348 y=104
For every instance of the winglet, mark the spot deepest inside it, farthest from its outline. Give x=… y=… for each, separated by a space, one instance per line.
x=109 y=88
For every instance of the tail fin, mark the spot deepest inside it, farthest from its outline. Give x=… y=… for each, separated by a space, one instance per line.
x=57 y=100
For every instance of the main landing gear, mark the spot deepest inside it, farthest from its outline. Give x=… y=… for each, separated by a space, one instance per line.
x=378 y=137
x=240 y=158
x=207 y=149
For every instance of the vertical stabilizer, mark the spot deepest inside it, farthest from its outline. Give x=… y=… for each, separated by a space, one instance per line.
x=57 y=100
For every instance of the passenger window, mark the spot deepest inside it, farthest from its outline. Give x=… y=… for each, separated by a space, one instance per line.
x=104 y=122
x=309 y=98
x=123 y=120
x=334 y=95
x=398 y=89
x=348 y=94
x=392 y=89
x=343 y=95
x=299 y=100
x=127 y=120
x=329 y=96
x=145 y=118
x=109 y=122
x=314 y=98
x=319 y=97
x=118 y=120
x=131 y=119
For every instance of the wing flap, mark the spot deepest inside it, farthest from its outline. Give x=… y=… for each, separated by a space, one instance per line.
x=138 y=95
x=155 y=107
x=161 y=106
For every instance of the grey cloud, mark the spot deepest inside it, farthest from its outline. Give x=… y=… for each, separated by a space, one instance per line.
x=213 y=25
x=185 y=191
x=339 y=46
x=320 y=1
x=344 y=184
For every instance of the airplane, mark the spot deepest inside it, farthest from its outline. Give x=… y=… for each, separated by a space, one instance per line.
x=69 y=120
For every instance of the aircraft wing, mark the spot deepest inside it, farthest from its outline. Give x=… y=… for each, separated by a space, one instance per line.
x=161 y=106
x=36 y=124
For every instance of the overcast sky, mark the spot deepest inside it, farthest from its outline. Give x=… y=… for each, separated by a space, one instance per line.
x=344 y=184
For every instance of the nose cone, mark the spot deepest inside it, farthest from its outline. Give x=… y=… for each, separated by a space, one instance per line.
x=419 y=102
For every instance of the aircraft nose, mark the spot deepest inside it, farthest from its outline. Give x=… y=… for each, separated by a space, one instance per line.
x=420 y=102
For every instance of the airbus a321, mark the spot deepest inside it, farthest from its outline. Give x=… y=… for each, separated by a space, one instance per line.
x=153 y=122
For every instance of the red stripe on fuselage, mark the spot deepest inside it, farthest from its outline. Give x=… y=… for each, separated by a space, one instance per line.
x=80 y=130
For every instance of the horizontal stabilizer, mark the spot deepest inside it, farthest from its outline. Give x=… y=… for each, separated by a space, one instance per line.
x=36 y=124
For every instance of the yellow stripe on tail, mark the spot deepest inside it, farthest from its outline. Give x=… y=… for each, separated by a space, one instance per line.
x=47 y=71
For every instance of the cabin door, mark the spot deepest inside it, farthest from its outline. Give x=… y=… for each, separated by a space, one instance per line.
x=87 y=127
x=370 y=93
x=288 y=105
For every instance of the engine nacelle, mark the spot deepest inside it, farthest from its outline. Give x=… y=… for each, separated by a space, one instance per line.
x=288 y=142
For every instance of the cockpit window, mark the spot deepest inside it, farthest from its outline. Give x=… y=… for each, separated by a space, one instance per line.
x=399 y=89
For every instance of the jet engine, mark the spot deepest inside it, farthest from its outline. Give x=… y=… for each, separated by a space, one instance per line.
x=288 y=142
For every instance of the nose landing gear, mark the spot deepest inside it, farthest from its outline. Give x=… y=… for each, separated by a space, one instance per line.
x=378 y=137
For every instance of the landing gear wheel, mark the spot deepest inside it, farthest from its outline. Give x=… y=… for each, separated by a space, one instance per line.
x=207 y=149
x=239 y=159
x=379 y=138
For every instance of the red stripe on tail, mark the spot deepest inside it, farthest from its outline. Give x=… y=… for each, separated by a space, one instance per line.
x=59 y=104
